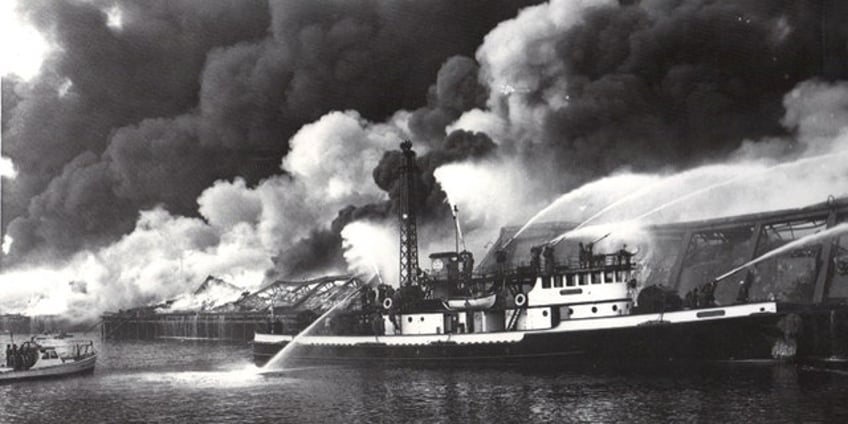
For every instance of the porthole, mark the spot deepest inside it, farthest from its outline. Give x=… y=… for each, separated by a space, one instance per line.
x=544 y=313
x=409 y=319
x=614 y=308
x=570 y=311
x=594 y=310
x=422 y=319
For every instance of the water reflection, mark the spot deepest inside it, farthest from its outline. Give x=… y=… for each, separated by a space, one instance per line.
x=201 y=382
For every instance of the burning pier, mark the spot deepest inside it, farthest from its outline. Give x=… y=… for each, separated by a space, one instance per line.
x=207 y=314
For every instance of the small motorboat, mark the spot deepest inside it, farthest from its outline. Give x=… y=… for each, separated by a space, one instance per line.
x=471 y=303
x=34 y=361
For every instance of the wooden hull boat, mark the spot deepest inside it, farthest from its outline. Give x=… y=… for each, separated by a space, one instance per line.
x=83 y=366
x=77 y=358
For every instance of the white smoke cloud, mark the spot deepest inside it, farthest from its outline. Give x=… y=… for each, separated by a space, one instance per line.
x=226 y=204
x=162 y=258
x=334 y=156
x=818 y=112
x=517 y=56
x=477 y=120
x=241 y=228
x=7 y=168
x=815 y=168
x=779 y=173
x=330 y=166
x=7 y=244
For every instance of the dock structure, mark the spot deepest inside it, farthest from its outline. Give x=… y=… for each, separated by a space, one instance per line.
x=15 y=323
x=133 y=325
x=281 y=306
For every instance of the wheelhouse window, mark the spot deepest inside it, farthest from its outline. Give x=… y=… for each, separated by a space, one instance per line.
x=596 y=278
x=609 y=277
x=557 y=280
x=584 y=279
x=546 y=282
x=571 y=280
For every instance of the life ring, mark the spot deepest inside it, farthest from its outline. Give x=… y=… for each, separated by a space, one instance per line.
x=387 y=303
x=520 y=299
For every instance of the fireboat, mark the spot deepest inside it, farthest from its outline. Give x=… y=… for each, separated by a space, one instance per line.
x=585 y=309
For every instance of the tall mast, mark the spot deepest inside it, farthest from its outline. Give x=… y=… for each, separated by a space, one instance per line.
x=406 y=215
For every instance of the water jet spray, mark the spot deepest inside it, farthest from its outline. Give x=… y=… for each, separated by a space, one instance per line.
x=284 y=352
x=830 y=232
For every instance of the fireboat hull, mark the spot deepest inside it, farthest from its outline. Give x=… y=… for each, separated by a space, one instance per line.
x=736 y=333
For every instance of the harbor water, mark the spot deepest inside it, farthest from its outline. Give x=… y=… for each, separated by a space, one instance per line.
x=194 y=381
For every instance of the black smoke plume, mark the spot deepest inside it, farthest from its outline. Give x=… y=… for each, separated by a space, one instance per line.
x=322 y=249
x=673 y=83
x=184 y=93
x=187 y=97
x=457 y=90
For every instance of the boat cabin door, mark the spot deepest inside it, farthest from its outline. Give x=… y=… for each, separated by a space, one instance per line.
x=452 y=324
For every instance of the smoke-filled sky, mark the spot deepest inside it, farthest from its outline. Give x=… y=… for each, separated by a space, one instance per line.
x=163 y=141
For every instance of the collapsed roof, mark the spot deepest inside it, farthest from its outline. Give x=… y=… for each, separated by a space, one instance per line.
x=217 y=295
x=314 y=294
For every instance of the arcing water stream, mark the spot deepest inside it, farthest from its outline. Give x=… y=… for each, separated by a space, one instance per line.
x=736 y=178
x=828 y=233
x=377 y=272
x=689 y=195
x=535 y=218
x=284 y=352
x=692 y=194
x=586 y=195
x=613 y=205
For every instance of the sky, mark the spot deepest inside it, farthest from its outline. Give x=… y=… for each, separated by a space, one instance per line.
x=23 y=46
x=23 y=50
